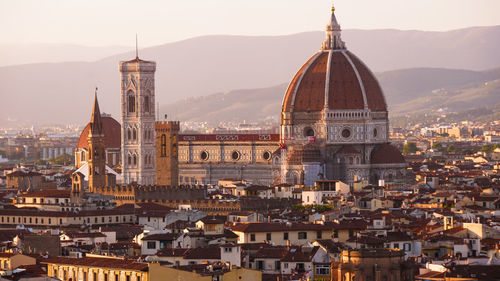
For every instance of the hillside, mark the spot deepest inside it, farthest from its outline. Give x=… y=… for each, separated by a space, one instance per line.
x=408 y=92
x=62 y=92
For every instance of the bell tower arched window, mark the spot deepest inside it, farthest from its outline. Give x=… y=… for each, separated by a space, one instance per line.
x=163 y=145
x=146 y=103
x=131 y=102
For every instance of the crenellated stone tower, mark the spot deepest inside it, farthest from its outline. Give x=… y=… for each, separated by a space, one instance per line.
x=138 y=121
x=167 y=163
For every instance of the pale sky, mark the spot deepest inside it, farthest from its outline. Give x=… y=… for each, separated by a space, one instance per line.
x=115 y=22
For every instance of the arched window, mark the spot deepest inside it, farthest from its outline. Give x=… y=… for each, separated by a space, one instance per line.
x=135 y=160
x=134 y=134
x=129 y=134
x=131 y=101
x=146 y=103
x=163 y=145
x=129 y=160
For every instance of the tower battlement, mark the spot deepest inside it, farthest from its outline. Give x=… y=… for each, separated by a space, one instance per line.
x=167 y=126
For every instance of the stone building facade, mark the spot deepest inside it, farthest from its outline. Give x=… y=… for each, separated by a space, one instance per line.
x=208 y=158
x=167 y=164
x=138 y=120
x=372 y=265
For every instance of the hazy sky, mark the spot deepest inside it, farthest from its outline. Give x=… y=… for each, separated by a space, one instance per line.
x=115 y=22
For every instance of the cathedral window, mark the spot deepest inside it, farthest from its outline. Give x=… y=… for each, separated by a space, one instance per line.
x=129 y=134
x=135 y=160
x=236 y=155
x=129 y=160
x=204 y=155
x=309 y=132
x=131 y=102
x=163 y=149
x=346 y=133
x=266 y=155
x=134 y=134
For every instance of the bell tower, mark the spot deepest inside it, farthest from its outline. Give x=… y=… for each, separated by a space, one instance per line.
x=138 y=121
x=167 y=163
x=97 y=152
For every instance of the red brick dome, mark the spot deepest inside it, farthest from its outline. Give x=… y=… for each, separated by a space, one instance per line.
x=112 y=134
x=338 y=76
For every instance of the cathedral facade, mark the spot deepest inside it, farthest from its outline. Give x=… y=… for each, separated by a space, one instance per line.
x=334 y=126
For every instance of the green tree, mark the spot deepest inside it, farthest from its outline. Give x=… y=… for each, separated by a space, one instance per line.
x=64 y=159
x=450 y=148
x=410 y=147
x=487 y=148
x=437 y=145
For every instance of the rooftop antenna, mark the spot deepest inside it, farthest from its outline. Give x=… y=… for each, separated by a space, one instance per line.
x=136 y=48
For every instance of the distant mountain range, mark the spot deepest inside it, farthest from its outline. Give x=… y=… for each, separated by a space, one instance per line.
x=408 y=92
x=62 y=92
x=53 y=53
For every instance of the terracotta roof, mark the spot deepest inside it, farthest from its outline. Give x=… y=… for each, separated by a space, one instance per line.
x=271 y=252
x=207 y=253
x=331 y=246
x=169 y=252
x=212 y=220
x=304 y=254
x=23 y=174
x=112 y=133
x=306 y=91
x=278 y=227
x=54 y=193
x=98 y=262
x=85 y=234
x=161 y=237
x=386 y=154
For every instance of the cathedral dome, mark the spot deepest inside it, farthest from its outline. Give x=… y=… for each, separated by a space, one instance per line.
x=335 y=79
x=112 y=134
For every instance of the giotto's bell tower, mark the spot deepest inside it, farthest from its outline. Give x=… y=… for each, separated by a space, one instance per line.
x=138 y=121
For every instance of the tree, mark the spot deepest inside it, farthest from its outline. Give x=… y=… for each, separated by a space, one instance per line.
x=450 y=148
x=409 y=147
x=487 y=148
x=437 y=145
x=64 y=159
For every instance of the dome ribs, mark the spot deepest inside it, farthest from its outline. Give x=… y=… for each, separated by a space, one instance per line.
x=288 y=100
x=311 y=90
x=344 y=89
x=350 y=85
x=374 y=94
